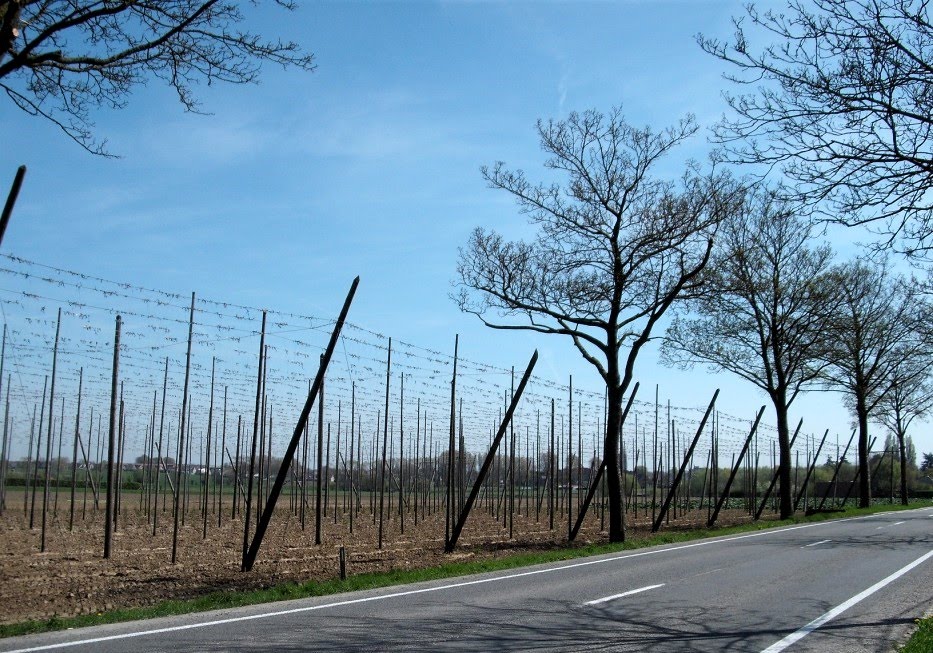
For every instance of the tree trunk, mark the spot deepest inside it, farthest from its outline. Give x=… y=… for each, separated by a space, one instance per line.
x=611 y=457
x=903 y=452
x=864 y=483
x=785 y=492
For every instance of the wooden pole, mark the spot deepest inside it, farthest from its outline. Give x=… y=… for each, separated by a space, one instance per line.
x=511 y=478
x=252 y=455
x=48 y=442
x=449 y=517
x=74 y=455
x=776 y=476
x=735 y=469
x=385 y=442
x=4 y=455
x=112 y=442
x=552 y=481
x=680 y=472
x=155 y=511
x=238 y=482
x=352 y=442
x=320 y=460
x=11 y=200
x=121 y=434
x=181 y=434
x=35 y=473
x=207 y=453
x=401 y=455
x=487 y=463
x=49 y=438
x=832 y=481
x=416 y=488
x=599 y=472
x=289 y=455
x=223 y=447
x=569 y=497
x=810 y=469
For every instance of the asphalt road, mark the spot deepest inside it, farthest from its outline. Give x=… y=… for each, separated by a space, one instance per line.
x=849 y=586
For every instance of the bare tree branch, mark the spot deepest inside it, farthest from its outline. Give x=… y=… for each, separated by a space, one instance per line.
x=840 y=102
x=60 y=59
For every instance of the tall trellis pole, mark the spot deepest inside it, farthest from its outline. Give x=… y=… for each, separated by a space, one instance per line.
x=112 y=441
x=181 y=434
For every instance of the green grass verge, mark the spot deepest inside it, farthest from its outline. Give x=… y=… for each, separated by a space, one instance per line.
x=288 y=591
x=922 y=640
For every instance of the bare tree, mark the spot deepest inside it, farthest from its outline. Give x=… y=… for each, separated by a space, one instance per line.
x=59 y=59
x=615 y=248
x=840 y=101
x=909 y=397
x=867 y=331
x=760 y=314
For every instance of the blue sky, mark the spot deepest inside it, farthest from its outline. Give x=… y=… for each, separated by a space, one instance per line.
x=370 y=166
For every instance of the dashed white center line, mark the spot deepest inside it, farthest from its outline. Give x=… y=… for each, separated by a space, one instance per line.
x=898 y=523
x=606 y=599
x=815 y=543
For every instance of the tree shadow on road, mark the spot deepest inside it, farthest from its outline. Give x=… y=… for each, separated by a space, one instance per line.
x=556 y=626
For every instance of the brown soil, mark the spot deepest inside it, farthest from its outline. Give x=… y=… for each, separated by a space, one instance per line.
x=71 y=577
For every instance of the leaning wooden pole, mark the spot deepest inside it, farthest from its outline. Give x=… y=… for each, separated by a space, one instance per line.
x=800 y=491
x=481 y=476
x=11 y=200
x=266 y=516
x=683 y=466
x=858 y=472
x=112 y=442
x=776 y=476
x=839 y=462
x=594 y=486
x=735 y=470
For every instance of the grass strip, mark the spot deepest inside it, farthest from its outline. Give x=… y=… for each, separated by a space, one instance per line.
x=375 y=580
x=922 y=639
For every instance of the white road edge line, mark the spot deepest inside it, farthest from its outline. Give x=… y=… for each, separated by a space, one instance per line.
x=777 y=647
x=424 y=590
x=606 y=599
x=815 y=543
